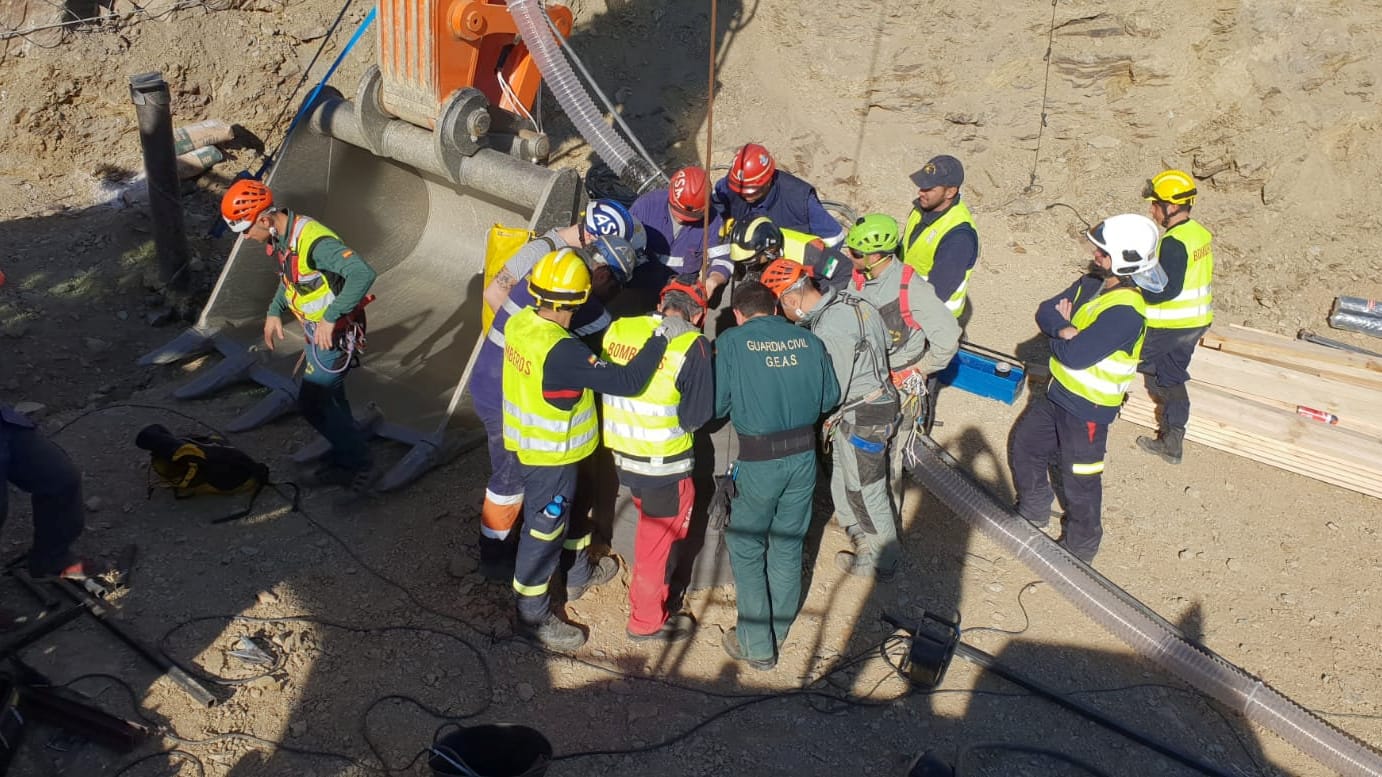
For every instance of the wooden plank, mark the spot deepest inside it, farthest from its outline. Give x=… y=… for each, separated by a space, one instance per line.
x=1359 y=377
x=1345 y=422
x=1216 y=434
x=1361 y=407
x=1303 y=350
x=1271 y=451
x=1208 y=432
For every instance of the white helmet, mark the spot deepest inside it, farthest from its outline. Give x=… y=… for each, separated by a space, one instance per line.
x=1130 y=240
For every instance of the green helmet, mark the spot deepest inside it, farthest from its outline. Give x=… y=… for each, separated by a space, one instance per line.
x=875 y=233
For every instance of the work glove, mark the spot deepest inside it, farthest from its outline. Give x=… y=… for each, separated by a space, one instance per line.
x=673 y=327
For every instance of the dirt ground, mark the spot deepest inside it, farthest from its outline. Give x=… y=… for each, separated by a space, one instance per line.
x=369 y=604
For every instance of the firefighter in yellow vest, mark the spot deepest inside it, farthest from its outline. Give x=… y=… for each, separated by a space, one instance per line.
x=650 y=435
x=550 y=424
x=939 y=239
x=1096 y=329
x=325 y=285
x=1177 y=316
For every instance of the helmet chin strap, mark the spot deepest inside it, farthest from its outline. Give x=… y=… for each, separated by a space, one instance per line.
x=868 y=269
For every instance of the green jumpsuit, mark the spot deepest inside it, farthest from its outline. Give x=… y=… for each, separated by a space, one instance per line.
x=774 y=380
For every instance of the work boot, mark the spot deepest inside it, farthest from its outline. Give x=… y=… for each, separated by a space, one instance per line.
x=552 y=633
x=497 y=559
x=677 y=628
x=601 y=572
x=734 y=650
x=1168 y=445
x=862 y=565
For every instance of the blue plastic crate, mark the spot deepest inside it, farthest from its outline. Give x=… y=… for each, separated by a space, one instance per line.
x=982 y=375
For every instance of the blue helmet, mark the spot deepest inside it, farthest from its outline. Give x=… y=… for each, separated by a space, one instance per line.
x=609 y=217
x=616 y=253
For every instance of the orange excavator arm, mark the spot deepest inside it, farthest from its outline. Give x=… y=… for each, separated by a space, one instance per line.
x=428 y=49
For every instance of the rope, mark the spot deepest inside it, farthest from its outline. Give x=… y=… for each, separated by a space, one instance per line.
x=311 y=97
x=709 y=140
x=1045 y=89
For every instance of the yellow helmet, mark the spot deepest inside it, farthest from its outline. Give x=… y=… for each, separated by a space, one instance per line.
x=1173 y=186
x=560 y=279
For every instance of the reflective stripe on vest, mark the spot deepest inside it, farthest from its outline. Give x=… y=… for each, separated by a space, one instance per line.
x=920 y=244
x=1194 y=306
x=308 y=294
x=541 y=434
x=1106 y=382
x=646 y=425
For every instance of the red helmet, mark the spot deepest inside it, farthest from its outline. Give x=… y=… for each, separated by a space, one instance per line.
x=781 y=275
x=691 y=287
x=245 y=201
x=752 y=168
x=687 y=193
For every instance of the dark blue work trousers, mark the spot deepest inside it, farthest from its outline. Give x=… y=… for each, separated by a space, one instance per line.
x=547 y=542
x=322 y=401
x=35 y=464
x=1048 y=434
x=1166 y=357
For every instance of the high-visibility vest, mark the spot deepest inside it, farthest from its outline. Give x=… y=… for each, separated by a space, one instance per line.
x=919 y=248
x=307 y=290
x=1106 y=382
x=1194 y=306
x=647 y=425
x=541 y=434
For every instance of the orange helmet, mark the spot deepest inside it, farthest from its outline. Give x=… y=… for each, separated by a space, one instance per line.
x=245 y=201
x=687 y=193
x=783 y=274
x=691 y=287
x=752 y=169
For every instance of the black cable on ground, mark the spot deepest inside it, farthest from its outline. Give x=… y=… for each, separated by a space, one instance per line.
x=183 y=754
x=962 y=759
x=839 y=702
x=1026 y=617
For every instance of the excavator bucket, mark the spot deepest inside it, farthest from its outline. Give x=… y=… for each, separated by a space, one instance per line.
x=417 y=205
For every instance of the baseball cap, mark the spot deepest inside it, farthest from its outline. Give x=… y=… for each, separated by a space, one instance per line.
x=943 y=170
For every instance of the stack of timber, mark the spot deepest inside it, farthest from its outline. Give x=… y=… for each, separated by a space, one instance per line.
x=1263 y=395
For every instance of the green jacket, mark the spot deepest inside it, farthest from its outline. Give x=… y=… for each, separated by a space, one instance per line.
x=772 y=376
x=331 y=257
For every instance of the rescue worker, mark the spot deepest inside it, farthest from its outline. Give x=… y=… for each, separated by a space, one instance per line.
x=551 y=426
x=923 y=335
x=755 y=187
x=858 y=431
x=757 y=242
x=325 y=286
x=774 y=381
x=1177 y=316
x=602 y=217
x=1096 y=329
x=940 y=240
x=35 y=464
x=650 y=435
x=610 y=264
x=675 y=222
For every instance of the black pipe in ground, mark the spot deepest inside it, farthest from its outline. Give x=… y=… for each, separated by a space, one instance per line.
x=153 y=105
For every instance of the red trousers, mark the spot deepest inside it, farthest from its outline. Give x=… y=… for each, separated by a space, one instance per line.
x=664 y=516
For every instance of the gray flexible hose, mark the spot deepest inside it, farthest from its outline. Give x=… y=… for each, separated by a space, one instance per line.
x=1142 y=629
x=571 y=94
